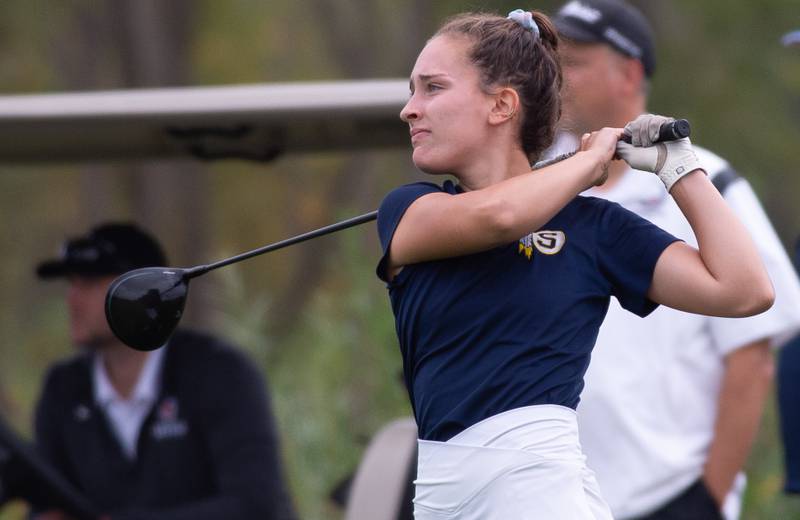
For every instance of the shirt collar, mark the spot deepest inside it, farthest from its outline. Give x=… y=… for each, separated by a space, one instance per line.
x=633 y=187
x=146 y=389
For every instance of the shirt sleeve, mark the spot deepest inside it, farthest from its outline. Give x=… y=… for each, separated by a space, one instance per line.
x=628 y=249
x=391 y=211
x=782 y=320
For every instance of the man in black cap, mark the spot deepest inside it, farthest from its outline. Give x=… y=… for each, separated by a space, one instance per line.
x=673 y=401
x=182 y=432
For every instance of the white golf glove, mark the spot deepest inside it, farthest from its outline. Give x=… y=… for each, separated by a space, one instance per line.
x=670 y=160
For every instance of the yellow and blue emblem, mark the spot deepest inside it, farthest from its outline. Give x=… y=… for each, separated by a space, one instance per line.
x=546 y=242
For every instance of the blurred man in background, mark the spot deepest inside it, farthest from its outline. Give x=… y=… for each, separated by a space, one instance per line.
x=788 y=395
x=672 y=402
x=182 y=432
x=789 y=375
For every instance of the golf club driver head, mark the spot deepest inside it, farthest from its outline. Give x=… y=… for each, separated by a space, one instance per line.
x=144 y=306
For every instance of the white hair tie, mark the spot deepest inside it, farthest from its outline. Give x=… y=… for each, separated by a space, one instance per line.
x=525 y=19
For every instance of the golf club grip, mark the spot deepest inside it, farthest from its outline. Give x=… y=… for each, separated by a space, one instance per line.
x=670 y=131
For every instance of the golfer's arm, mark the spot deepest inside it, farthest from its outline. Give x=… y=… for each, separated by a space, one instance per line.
x=725 y=275
x=439 y=225
x=746 y=384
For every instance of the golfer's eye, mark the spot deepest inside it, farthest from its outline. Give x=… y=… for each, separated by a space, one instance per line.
x=433 y=87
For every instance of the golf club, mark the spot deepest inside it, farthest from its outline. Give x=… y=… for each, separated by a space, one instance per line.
x=143 y=306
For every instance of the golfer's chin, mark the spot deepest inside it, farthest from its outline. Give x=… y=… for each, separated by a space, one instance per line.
x=430 y=164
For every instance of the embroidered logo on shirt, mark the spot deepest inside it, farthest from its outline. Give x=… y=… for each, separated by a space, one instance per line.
x=168 y=425
x=546 y=242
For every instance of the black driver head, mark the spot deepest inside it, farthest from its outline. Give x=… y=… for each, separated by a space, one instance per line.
x=144 y=306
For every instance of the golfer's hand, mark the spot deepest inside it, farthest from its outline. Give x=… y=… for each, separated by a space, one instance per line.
x=670 y=160
x=644 y=130
x=603 y=144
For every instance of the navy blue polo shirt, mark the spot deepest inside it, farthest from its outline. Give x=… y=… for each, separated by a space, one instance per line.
x=513 y=326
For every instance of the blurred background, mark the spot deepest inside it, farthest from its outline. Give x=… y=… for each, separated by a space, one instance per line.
x=314 y=316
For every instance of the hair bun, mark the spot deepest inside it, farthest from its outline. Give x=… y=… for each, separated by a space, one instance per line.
x=548 y=34
x=525 y=19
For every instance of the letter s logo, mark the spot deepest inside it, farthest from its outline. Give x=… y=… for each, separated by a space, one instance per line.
x=549 y=242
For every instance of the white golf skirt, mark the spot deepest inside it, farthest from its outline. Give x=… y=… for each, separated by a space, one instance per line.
x=524 y=464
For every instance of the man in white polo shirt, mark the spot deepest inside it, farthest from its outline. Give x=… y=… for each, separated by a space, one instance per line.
x=673 y=401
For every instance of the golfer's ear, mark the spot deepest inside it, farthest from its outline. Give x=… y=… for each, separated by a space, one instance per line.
x=505 y=106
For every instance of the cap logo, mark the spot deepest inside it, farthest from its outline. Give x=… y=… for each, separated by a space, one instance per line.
x=622 y=42
x=583 y=12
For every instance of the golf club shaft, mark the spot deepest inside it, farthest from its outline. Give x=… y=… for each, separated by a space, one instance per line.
x=355 y=221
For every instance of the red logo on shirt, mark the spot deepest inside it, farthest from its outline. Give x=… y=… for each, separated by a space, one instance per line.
x=167 y=424
x=168 y=410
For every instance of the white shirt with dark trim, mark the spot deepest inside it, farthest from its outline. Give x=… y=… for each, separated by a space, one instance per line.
x=126 y=416
x=647 y=412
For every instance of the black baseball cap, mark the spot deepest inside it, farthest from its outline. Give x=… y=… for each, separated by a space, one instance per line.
x=107 y=249
x=613 y=22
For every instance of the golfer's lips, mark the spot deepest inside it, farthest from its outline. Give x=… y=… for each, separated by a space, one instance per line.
x=418 y=133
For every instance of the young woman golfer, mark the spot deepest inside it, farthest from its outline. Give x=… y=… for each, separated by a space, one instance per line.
x=499 y=281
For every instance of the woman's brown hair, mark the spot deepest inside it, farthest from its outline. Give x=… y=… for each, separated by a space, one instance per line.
x=508 y=54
